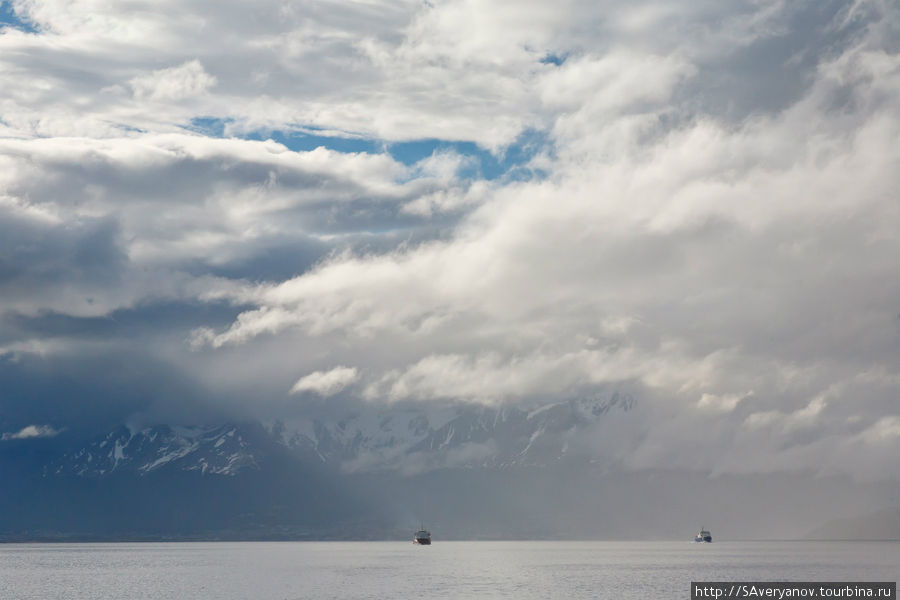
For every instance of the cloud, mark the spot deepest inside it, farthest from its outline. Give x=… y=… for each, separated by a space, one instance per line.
x=30 y=431
x=710 y=209
x=99 y=225
x=725 y=403
x=737 y=255
x=326 y=383
x=175 y=83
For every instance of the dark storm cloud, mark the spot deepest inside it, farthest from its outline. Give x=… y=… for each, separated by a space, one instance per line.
x=140 y=323
x=95 y=389
x=34 y=255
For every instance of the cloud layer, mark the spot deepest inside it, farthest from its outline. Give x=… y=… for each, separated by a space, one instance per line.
x=30 y=431
x=707 y=215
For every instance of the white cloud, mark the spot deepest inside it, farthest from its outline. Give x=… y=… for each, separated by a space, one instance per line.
x=604 y=85
x=31 y=431
x=174 y=83
x=884 y=431
x=720 y=403
x=326 y=383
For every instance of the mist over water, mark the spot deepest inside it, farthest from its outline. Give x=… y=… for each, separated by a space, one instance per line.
x=295 y=570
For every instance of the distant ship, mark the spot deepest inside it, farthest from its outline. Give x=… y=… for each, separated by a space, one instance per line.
x=703 y=536
x=422 y=537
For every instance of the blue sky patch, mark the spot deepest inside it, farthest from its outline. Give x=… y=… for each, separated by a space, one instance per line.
x=9 y=18
x=554 y=59
x=486 y=165
x=510 y=163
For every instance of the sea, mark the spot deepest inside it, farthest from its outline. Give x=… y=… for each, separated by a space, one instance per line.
x=448 y=569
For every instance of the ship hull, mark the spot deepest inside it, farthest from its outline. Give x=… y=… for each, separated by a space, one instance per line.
x=423 y=542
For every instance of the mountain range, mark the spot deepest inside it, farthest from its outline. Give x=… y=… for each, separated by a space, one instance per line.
x=378 y=440
x=318 y=477
x=376 y=472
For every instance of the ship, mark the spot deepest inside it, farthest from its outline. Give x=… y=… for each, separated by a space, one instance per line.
x=422 y=537
x=703 y=536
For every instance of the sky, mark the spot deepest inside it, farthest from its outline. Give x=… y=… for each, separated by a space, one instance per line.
x=257 y=207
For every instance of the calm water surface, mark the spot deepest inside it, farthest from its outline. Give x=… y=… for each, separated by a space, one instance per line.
x=288 y=570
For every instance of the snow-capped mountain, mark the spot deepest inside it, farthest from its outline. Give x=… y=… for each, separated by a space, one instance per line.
x=233 y=480
x=419 y=439
x=223 y=450
x=407 y=440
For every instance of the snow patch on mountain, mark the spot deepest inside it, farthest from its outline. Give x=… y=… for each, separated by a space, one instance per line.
x=414 y=439
x=221 y=450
